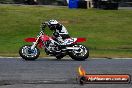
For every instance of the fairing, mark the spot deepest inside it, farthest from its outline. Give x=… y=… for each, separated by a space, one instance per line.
x=30 y=39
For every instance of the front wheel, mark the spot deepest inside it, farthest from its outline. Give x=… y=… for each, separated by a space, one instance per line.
x=80 y=54
x=29 y=54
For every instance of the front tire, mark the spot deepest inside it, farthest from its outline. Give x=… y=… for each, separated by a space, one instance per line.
x=81 y=54
x=26 y=53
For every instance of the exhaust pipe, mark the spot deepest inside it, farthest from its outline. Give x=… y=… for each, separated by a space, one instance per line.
x=72 y=48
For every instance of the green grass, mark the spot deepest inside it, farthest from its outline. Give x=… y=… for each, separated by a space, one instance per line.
x=108 y=32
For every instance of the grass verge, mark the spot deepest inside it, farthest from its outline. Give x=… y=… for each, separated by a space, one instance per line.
x=109 y=32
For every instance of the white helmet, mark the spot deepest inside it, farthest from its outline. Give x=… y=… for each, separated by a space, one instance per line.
x=53 y=24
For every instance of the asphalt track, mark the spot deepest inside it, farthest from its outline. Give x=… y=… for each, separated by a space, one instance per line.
x=51 y=73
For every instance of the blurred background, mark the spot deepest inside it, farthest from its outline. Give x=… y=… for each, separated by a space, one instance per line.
x=32 y=2
x=123 y=3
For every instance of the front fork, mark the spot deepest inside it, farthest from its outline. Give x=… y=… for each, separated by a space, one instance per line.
x=36 y=42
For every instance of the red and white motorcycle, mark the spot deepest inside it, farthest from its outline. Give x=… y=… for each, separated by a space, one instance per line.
x=69 y=47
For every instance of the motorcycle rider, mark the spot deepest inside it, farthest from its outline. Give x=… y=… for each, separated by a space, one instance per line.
x=60 y=32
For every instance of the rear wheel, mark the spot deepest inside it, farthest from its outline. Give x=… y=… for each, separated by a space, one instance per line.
x=28 y=54
x=81 y=54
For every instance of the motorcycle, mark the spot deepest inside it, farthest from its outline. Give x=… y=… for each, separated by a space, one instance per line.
x=69 y=46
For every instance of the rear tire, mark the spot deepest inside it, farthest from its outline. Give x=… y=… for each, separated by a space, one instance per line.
x=28 y=54
x=81 y=54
